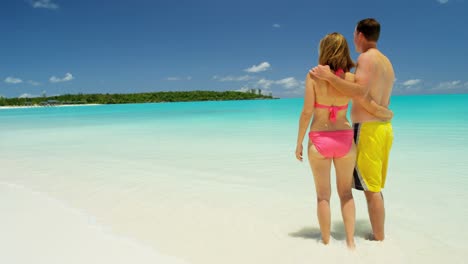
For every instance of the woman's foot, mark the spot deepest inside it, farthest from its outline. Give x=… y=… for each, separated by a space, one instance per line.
x=325 y=241
x=351 y=244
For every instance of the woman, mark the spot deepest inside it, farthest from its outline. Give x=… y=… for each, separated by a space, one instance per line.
x=331 y=135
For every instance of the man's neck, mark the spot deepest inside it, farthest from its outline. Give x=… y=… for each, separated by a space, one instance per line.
x=368 y=45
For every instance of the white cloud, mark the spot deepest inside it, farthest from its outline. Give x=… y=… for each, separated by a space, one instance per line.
x=448 y=85
x=233 y=78
x=288 y=83
x=411 y=82
x=411 y=86
x=442 y=1
x=276 y=25
x=13 y=80
x=68 y=77
x=258 y=68
x=33 y=83
x=243 y=89
x=26 y=95
x=48 y=4
x=173 y=78
x=264 y=83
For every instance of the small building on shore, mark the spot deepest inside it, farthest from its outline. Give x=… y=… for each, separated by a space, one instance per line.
x=50 y=102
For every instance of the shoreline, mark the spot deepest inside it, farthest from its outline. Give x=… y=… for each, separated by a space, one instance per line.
x=164 y=102
x=149 y=97
x=43 y=106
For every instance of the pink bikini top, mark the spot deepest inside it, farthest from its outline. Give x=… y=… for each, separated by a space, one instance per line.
x=331 y=108
x=339 y=72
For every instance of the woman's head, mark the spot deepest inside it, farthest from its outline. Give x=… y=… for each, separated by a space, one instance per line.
x=334 y=51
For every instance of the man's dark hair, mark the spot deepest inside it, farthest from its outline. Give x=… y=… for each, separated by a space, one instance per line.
x=370 y=28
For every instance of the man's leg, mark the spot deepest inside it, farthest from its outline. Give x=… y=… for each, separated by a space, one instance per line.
x=375 y=206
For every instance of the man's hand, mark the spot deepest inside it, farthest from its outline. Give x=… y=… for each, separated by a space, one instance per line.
x=322 y=72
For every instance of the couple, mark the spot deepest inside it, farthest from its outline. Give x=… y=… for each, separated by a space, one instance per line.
x=328 y=89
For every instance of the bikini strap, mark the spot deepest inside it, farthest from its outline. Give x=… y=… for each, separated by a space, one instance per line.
x=333 y=110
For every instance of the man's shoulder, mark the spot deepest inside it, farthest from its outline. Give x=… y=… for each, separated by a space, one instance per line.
x=370 y=54
x=372 y=58
x=366 y=61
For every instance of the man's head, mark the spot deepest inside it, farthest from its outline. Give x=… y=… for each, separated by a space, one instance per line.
x=367 y=30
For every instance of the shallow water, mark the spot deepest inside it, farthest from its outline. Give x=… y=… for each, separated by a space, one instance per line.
x=212 y=182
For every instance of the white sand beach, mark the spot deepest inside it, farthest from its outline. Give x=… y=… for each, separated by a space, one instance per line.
x=51 y=232
x=41 y=106
x=38 y=229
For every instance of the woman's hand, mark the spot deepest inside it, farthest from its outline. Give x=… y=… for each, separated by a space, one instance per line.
x=299 y=152
x=377 y=110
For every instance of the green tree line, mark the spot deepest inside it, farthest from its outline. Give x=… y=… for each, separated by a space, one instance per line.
x=156 y=97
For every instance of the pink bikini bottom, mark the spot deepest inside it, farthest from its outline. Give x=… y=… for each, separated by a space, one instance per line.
x=332 y=144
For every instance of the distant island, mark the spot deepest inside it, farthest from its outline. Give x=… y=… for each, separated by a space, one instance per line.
x=155 y=97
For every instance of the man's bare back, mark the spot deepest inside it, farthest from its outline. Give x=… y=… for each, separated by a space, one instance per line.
x=378 y=76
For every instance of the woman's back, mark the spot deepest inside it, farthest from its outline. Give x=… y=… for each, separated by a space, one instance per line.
x=330 y=107
x=331 y=136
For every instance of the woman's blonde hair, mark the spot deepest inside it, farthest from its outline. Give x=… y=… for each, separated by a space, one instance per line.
x=334 y=51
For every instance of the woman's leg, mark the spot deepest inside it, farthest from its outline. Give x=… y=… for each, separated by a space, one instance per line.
x=321 y=170
x=344 y=167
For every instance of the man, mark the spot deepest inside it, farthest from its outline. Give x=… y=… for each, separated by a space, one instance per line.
x=374 y=77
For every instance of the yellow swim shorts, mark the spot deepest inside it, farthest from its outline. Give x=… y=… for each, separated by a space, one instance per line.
x=373 y=141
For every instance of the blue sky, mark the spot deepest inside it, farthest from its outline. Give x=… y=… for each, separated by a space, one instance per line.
x=116 y=46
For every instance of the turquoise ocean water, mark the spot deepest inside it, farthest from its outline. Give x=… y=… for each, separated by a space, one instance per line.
x=217 y=182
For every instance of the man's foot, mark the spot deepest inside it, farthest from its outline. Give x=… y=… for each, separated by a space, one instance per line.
x=371 y=237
